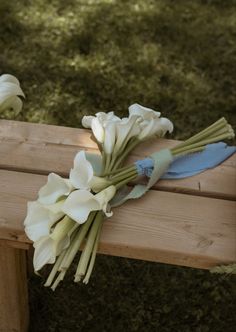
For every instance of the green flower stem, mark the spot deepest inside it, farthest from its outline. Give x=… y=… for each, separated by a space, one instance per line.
x=55 y=269
x=103 y=161
x=107 y=162
x=118 y=170
x=124 y=182
x=85 y=256
x=76 y=243
x=120 y=176
x=112 y=162
x=177 y=151
x=62 y=228
x=59 y=278
x=187 y=151
x=197 y=137
x=133 y=143
x=130 y=176
x=93 y=257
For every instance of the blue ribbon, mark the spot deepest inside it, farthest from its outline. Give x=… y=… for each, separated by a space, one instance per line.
x=191 y=164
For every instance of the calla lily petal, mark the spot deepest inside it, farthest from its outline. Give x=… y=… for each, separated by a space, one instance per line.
x=55 y=188
x=157 y=127
x=110 y=137
x=144 y=112
x=79 y=204
x=104 y=197
x=46 y=251
x=87 y=121
x=40 y=219
x=98 y=130
x=9 y=78
x=9 y=91
x=82 y=172
x=43 y=253
x=50 y=246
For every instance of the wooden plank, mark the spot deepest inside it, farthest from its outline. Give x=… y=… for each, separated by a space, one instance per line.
x=42 y=149
x=162 y=226
x=14 y=312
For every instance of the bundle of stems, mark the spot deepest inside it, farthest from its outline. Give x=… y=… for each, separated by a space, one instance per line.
x=90 y=231
x=220 y=130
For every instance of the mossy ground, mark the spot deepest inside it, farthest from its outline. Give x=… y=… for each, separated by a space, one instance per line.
x=81 y=57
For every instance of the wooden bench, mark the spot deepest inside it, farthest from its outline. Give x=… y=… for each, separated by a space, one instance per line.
x=189 y=222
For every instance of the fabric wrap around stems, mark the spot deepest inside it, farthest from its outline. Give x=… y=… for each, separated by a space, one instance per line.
x=161 y=161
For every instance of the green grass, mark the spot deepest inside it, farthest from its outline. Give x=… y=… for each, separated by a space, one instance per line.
x=81 y=57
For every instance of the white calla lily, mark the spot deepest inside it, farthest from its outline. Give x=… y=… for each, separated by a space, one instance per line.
x=9 y=91
x=47 y=248
x=144 y=112
x=40 y=219
x=157 y=127
x=81 y=176
x=98 y=123
x=80 y=203
x=55 y=188
x=82 y=173
x=46 y=251
x=125 y=130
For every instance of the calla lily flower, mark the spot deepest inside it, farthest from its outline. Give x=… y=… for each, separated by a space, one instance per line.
x=80 y=203
x=40 y=219
x=10 y=91
x=55 y=188
x=50 y=246
x=144 y=112
x=46 y=251
x=125 y=130
x=82 y=173
x=98 y=123
x=155 y=127
x=103 y=117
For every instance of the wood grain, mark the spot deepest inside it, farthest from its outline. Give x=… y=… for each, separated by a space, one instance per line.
x=41 y=149
x=14 y=312
x=162 y=226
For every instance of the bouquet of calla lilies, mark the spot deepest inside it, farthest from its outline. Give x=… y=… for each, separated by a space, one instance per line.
x=68 y=215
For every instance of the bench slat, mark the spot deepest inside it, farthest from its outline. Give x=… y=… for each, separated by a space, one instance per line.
x=41 y=149
x=178 y=229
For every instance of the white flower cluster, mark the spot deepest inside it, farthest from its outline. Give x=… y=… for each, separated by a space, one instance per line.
x=10 y=91
x=115 y=133
x=63 y=204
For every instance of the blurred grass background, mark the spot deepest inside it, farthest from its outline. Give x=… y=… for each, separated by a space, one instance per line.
x=78 y=57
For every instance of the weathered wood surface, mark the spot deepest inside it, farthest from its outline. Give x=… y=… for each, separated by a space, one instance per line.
x=162 y=226
x=14 y=314
x=39 y=148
